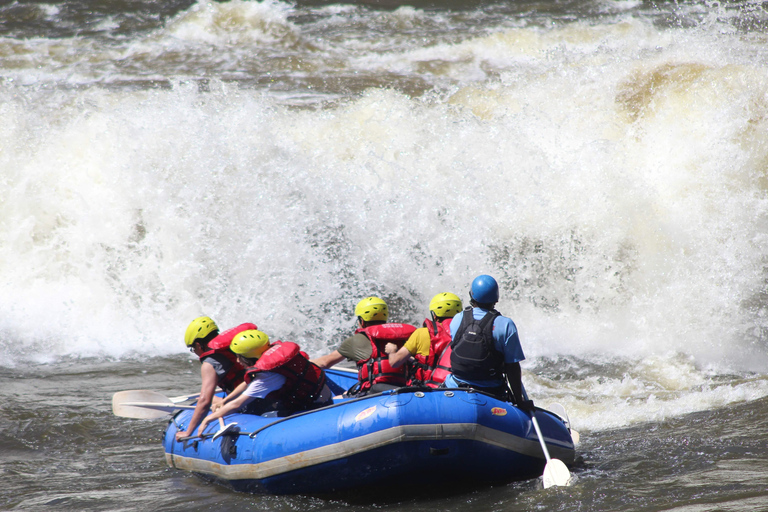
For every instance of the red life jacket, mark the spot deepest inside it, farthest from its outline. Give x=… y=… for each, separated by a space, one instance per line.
x=442 y=370
x=304 y=380
x=229 y=371
x=439 y=339
x=376 y=369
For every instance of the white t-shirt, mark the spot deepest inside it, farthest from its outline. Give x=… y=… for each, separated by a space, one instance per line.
x=263 y=384
x=266 y=382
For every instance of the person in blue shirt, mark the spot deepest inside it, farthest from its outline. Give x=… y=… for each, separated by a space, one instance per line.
x=485 y=347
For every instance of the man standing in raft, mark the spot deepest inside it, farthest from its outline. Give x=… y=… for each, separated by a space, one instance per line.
x=366 y=348
x=486 y=350
x=219 y=365
x=279 y=377
x=427 y=343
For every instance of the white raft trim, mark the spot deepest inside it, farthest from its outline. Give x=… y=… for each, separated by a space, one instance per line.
x=350 y=447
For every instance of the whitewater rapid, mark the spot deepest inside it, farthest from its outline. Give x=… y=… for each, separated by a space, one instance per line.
x=609 y=173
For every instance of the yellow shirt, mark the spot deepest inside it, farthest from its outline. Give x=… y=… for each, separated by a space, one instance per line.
x=418 y=342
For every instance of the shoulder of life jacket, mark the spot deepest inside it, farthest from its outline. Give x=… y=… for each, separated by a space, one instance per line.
x=388 y=332
x=438 y=330
x=439 y=338
x=279 y=353
x=380 y=335
x=224 y=339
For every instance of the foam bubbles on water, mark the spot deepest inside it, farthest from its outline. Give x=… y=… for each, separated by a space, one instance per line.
x=235 y=22
x=607 y=393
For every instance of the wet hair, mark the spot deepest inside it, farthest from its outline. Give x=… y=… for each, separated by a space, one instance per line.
x=205 y=341
x=371 y=323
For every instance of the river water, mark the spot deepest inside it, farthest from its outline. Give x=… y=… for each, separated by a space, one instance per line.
x=274 y=162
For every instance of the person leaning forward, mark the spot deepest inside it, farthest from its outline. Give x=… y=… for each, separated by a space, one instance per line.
x=219 y=366
x=366 y=348
x=485 y=347
x=279 y=377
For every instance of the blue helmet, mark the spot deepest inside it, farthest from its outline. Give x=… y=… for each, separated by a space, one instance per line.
x=485 y=290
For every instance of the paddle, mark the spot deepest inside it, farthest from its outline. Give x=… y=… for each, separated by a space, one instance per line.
x=555 y=472
x=184 y=398
x=575 y=437
x=144 y=404
x=559 y=410
x=346 y=370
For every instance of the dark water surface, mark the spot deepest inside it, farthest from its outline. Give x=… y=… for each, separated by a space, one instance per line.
x=63 y=449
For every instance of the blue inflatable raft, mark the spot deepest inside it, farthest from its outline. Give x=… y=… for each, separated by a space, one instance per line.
x=399 y=436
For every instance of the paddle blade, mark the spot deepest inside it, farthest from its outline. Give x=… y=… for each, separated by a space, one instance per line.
x=556 y=473
x=184 y=398
x=559 y=409
x=575 y=437
x=141 y=410
x=137 y=404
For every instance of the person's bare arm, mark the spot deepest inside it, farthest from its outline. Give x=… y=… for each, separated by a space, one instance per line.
x=207 y=390
x=397 y=357
x=225 y=409
x=227 y=399
x=328 y=360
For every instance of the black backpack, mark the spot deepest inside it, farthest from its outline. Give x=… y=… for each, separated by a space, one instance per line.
x=473 y=353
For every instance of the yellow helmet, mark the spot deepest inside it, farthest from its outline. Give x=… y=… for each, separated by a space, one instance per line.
x=199 y=328
x=372 y=309
x=250 y=344
x=445 y=305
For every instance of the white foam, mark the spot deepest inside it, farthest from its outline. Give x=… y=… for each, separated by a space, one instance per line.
x=234 y=22
x=651 y=390
x=611 y=177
